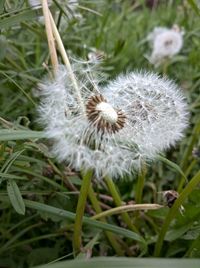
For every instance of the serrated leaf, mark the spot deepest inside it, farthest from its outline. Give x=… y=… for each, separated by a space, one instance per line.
x=15 y=197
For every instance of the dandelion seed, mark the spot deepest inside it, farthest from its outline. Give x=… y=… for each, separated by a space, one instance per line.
x=132 y=118
x=165 y=42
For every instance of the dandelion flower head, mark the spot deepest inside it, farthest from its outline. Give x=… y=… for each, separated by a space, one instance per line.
x=84 y=139
x=132 y=118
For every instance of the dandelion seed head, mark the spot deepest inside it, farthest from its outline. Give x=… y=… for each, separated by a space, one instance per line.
x=165 y=43
x=84 y=141
x=131 y=119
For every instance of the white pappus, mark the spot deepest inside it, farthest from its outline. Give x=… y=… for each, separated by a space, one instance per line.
x=132 y=118
x=155 y=108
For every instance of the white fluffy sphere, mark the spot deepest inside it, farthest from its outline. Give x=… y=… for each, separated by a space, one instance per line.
x=134 y=117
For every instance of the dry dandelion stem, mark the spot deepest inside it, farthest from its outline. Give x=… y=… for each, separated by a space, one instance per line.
x=50 y=38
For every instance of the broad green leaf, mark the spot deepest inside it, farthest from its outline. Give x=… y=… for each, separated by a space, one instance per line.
x=122 y=262
x=10 y=134
x=15 y=197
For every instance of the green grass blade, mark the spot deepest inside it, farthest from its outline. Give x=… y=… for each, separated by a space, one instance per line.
x=15 y=237
x=194 y=6
x=66 y=214
x=5 y=176
x=8 y=134
x=173 y=165
x=10 y=161
x=71 y=216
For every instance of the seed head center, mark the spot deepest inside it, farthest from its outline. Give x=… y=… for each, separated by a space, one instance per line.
x=103 y=116
x=107 y=112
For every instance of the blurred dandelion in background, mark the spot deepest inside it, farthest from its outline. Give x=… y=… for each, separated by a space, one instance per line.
x=165 y=43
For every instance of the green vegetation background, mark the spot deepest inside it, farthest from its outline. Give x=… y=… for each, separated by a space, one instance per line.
x=117 y=29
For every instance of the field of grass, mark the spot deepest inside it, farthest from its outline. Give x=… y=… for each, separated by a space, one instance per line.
x=39 y=195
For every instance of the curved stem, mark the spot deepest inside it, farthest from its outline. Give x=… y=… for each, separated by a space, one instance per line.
x=118 y=202
x=80 y=211
x=173 y=211
x=126 y=208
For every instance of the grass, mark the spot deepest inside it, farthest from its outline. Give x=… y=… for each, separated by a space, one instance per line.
x=45 y=191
